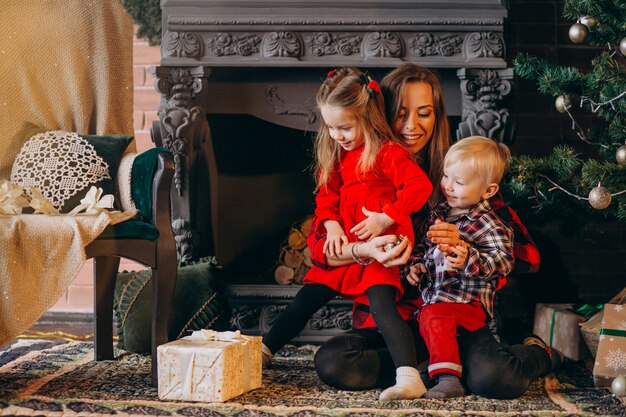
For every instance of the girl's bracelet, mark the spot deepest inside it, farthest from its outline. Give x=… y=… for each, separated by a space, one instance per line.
x=357 y=258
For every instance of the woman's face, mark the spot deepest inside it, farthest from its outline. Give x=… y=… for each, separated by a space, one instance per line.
x=416 y=120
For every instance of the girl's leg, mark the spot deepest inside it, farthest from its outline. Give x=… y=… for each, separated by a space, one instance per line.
x=399 y=340
x=292 y=320
x=493 y=370
x=359 y=359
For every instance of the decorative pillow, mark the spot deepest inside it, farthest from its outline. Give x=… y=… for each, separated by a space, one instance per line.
x=64 y=165
x=197 y=304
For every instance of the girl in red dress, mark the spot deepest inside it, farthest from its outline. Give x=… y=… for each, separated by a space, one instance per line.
x=367 y=185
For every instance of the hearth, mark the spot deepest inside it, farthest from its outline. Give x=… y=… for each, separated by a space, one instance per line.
x=238 y=81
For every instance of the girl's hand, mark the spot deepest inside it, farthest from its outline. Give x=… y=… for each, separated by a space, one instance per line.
x=415 y=274
x=375 y=224
x=335 y=237
x=399 y=255
x=444 y=234
x=457 y=256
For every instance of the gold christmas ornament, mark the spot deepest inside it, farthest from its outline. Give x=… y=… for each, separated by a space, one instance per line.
x=622 y=46
x=599 y=197
x=562 y=103
x=578 y=33
x=618 y=386
x=589 y=21
x=620 y=155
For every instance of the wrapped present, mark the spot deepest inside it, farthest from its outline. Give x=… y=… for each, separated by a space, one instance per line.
x=611 y=356
x=558 y=326
x=591 y=328
x=209 y=366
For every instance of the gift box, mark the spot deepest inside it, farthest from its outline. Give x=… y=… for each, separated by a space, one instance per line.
x=558 y=326
x=209 y=366
x=591 y=328
x=611 y=356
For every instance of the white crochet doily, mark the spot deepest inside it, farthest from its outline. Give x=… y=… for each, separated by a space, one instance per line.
x=60 y=164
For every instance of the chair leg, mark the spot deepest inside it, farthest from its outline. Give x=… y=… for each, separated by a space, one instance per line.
x=163 y=284
x=105 y=273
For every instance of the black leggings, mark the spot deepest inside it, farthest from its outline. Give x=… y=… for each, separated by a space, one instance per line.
x=359 y=359
x=312 y=297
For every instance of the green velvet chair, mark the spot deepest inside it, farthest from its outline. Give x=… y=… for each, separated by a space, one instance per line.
x=148 y=240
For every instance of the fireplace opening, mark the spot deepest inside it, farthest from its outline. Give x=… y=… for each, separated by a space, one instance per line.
x=262 y=184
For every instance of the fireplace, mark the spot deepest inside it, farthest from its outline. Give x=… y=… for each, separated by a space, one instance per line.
x=238 y=82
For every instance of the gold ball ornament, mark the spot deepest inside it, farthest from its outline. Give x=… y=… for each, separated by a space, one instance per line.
x=589 y=21
x=618 y=386
x=620 y=155
x=622 y=46
x=599 y=197
x=562 y=103
x=578 y=33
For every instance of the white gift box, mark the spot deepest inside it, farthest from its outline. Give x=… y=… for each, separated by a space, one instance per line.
x=209 y=366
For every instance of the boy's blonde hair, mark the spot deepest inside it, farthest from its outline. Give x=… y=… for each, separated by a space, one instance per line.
x=350 y=90
x=488 y=158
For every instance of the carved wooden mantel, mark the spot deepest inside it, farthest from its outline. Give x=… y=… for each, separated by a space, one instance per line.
x=278 y=49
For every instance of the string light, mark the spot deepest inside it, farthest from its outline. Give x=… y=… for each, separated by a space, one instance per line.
x=596 y=106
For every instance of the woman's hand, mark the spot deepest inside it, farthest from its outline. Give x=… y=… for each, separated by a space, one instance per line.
x=374 y=224
x=414 y=277
x=444 y=234
x=374 y=248
x=335 y=238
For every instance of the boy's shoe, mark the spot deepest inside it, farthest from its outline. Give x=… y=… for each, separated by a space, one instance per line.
x=556 y=357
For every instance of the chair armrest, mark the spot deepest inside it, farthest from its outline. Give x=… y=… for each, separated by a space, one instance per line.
x=151 y=180
x=161 y=193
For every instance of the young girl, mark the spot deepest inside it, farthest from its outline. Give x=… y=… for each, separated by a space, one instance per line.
x=363 y=174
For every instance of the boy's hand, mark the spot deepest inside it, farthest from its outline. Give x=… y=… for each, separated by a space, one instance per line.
x=415 y=274
x=374 y=225
x=335 y=238
x=457 y=256
x=443 y=233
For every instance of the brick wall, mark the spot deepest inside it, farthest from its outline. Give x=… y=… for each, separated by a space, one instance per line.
x=78 y=298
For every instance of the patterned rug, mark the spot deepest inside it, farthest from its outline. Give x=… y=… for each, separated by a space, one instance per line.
x=58 y=378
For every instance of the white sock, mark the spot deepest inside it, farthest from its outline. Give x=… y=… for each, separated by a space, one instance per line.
x=267 y=355
x=408 y=386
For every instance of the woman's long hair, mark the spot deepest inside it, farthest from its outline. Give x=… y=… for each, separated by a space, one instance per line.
x=431 y=156
x=353 y=91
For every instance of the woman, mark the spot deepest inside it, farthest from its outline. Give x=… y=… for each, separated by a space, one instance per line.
x=359 y=359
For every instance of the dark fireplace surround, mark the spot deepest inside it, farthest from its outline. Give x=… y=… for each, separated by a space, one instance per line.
x=238 y=81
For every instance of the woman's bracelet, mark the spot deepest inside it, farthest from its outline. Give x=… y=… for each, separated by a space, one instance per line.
x=357 y=258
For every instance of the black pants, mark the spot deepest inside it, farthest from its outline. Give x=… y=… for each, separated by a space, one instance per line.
x=312 y=297
x=359 y=359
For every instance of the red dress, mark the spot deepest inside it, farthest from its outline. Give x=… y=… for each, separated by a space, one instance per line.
x=396 y=186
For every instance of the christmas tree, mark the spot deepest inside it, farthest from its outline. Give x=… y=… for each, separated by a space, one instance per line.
x=589 y=181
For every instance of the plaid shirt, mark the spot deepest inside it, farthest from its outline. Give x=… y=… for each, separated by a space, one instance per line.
x=490 y=258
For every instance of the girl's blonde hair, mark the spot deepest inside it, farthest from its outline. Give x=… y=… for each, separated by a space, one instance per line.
x=486 y=157
x=354 y=91
x=430 y=158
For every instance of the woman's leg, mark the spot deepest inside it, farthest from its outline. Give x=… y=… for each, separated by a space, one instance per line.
x=292 y=320
x=355 y=360
x=493 y=370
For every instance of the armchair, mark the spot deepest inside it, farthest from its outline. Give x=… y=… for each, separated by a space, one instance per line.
x=148 y=240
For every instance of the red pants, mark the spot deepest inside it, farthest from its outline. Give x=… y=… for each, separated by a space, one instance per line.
x=438 y=326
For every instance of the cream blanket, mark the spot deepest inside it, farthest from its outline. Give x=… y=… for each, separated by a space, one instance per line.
x=39 y=257
x=64 y=65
